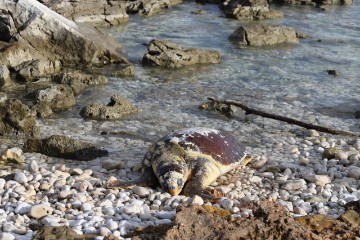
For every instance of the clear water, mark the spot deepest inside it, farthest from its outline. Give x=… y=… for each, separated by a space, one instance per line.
x=287 y=79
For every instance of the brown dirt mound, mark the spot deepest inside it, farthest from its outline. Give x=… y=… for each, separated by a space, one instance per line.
x=270 y=220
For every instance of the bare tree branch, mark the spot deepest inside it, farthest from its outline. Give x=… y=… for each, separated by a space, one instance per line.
x=249 y=110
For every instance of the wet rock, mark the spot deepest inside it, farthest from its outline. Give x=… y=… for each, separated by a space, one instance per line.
x=34 y=69
x=61 y=232
x=149 y=7
x=330 y=153
x=249 y=10
x=64 y=147
x=54 y=99
x=332 y=72
x=117 y=108
x=96 y=13
x=4 y=76
x=17 y=118
x=126 y=71
x=79 y=81
x=262 y=35
x=170 y=55
x=47 y=39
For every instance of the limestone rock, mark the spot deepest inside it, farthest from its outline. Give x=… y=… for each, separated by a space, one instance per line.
x=170 y=55
x=40 y=210
x=249 y=10
x=94 y=12
x=64 y=147
x=19 y=119
x=13 y=155
x=79 y=81
x=4 y=76
x=263 y=35
x=330 y=153
x=37 y=35
x=35 y=69
x=116 y=109
x=352 y=217
x=56 y=98
x=126 y=71
x=149 y=7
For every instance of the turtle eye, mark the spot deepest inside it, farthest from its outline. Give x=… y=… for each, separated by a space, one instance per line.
x=179 y=182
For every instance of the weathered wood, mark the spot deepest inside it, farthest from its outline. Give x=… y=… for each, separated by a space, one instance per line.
x=249 y=110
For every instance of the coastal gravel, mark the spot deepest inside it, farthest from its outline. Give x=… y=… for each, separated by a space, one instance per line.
x=48 y=191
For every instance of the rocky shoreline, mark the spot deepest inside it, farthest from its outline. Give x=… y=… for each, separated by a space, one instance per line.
x=307 y=189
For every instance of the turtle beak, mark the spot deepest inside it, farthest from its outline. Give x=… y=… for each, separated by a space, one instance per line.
x=174 y=191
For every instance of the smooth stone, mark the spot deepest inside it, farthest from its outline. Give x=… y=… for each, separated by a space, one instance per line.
x=110 y=164
x=227 y=203
x=166 y=215
x=112 y=225
x=22 y=208
x=2 y=183
x=196 y=200
x=103 y=231
x=163 y=221
x=141 y=191
x=255 y=179
x=354 y=173
x=6 y=236
x=20 y=178
x=33 y=166
x=40 y=210
x=76 y=171
x=294 y=185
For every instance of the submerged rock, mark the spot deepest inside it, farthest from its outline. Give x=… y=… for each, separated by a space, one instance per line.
x=149 y=7
x=249 y=10
x=262 y=35
x=117 y=108
x=17 y=118
x=79 y=81
x=54 y=99
x=170 y=55
x=126 y=71
x=64 y=147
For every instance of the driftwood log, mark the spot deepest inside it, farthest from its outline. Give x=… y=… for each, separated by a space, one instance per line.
x=249 y=110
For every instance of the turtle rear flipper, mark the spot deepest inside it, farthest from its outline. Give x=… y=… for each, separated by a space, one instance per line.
x=147 y=179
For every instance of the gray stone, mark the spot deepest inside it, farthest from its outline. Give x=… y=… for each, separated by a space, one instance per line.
x=262 y=35
x=141 y=191
x=295 y=185
x=6 y=236
x=110 y=164
x=40 y=210
x=170 y=55
x=20 y=178
x=64 y=147
x=354 y=173
x=22 y=208
x=117 y=108
x=33 y=166
x=4 y=76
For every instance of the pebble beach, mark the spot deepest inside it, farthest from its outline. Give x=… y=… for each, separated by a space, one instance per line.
x=307 y=171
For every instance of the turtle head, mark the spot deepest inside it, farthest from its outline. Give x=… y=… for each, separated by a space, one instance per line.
x=173 y=182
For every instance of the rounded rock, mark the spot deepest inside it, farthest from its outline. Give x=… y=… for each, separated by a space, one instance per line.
x=20 y=178
x=141 y=191
x=40 y=210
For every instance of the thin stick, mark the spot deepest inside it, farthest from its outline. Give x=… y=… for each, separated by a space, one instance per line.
x=249 y=110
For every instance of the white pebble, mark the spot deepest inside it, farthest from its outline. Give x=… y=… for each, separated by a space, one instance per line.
x=20 y=178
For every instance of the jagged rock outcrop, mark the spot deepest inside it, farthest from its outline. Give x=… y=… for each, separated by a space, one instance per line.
x=313 y=2
x=262 y=35
x=4 y=76
x=79 y=81
x=94 y=12
x=17 y=118
x=64 y=147
x=170 y=55
x=35 y=39
x=249 y=10
x=117 y=108
x=149 y=7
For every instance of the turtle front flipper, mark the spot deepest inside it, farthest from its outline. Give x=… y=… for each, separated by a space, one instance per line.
x=147 y=179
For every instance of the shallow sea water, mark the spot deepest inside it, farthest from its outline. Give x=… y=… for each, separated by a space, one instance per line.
x=289 y=79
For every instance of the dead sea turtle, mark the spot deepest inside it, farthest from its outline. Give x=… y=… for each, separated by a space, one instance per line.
x=188 y=161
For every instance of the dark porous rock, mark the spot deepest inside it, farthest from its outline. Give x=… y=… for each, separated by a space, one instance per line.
x=330 y=153
x=170 y=55
x=17 y=118
x=64 y=147
x=79 y=81
x=60 y=233
x=149 y=7
x=262 y=35
x=332 y=72
x=38 y=39
x=116 y=109
x=94 y=12
x=33 y=70
x=294 y=2
x=357 y=114
x=54 y=99
x=126 y=71
x=249 y=10
x=5 y=79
